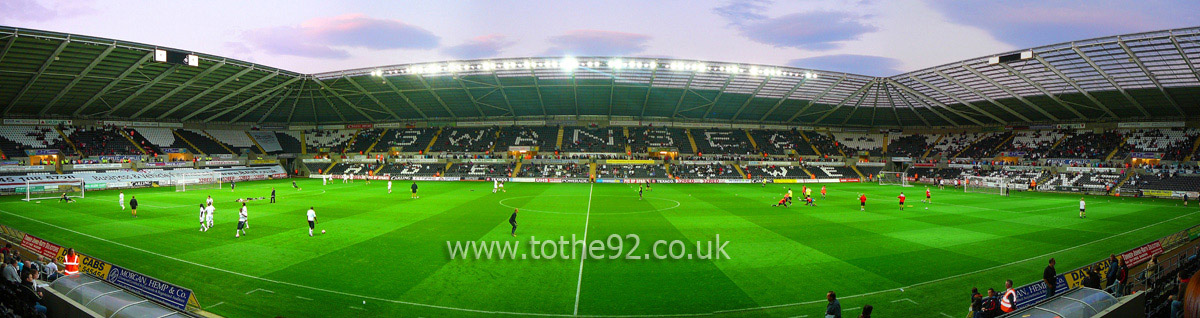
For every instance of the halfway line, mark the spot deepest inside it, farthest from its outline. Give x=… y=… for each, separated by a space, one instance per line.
x=586 y=219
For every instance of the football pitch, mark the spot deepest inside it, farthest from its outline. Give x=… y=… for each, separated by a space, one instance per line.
x=389 y=255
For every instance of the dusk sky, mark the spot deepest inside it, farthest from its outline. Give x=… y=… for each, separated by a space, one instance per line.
x=870 y=37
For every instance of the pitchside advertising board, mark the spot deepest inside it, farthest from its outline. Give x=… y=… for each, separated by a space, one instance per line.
x=111 y=178
x=162 y=292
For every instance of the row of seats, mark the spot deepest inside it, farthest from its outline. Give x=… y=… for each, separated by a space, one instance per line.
x=705 y=171
x=871 y=143
x=412 y=169
x=480 y=170
x=631 y=171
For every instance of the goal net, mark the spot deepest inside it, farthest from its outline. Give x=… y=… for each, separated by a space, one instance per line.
x=46 y=190
x=986 y=185
x=196 y=181
x=899 y=178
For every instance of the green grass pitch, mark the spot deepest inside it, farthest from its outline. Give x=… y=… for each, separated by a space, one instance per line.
x=390 y=251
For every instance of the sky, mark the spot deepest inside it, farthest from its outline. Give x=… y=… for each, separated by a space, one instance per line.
x=869 y=37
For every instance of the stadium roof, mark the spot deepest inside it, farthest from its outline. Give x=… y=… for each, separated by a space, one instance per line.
x=1149 y=75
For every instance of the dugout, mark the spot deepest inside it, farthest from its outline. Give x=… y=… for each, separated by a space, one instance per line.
x=1075 y=303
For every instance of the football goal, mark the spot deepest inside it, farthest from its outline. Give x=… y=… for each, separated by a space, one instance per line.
x=46 y=190
x=196 y=181
x=899 y=178
x=987 y=185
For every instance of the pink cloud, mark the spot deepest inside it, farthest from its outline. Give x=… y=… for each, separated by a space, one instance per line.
x=330 y=36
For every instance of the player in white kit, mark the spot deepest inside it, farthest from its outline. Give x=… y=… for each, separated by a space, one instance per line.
x=389 y=186
x=203 y=212
x=208 y=216
x=242 y=218
x=1082 y=204
x=495 y=185
x=121 y=200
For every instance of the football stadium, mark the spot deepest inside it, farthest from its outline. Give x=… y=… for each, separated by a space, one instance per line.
x=1056 y=179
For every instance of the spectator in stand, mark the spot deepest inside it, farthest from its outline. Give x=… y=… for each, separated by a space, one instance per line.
x=10 y=271
x=1111 y=275
x=1118 y=289
x=1049 y=277
x=50 y=271
x=29 y=292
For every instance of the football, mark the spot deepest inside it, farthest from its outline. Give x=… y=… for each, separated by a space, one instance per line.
x=322 y=231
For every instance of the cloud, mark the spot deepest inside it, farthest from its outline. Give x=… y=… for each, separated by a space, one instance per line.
x=743 y=10
x=851 y=63
x=598 y=42
x=1034 y=23
x=479 y=47
x=814 y=30
x=33 y=11
x=330 y=37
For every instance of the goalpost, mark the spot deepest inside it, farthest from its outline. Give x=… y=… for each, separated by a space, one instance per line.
x=986 y=185
x=47 y=190
x=899 y=178
x=196 y=181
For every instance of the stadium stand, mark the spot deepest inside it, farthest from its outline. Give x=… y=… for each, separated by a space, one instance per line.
x=952 y=144
x=406 y=140
x=631 y=171
x=14 y=140
x=102 y=141
x=334 y=140
x=412 y=169
x=1165 y=181
x=236 y=140
x=722 y=141
x=289 y=141
x=832 y=171
x=460 y=139
x=643 y=137
x=1032 y=144
x=479 y=170
x=554 y=170
x=542 y=137
x=792 y=172
x=826 y=145
x=871 y=143
x=202 y=143
x=911 y=146
x=1081 y=181
x=360 y=169
x=985 y=148
x=869 y=172
x=594 y=139
x=707 y=171
x=1087 y=145
x=364 y=140
x=317 y=168
x=160 y=137
x=1172 y=143
x=781 y=142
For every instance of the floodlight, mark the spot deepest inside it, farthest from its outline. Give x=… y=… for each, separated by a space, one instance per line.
x=569 y=64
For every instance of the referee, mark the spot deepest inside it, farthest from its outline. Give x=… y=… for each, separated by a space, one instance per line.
x=513 y=221
x=273 y=192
